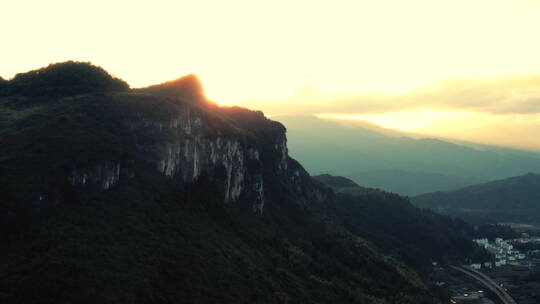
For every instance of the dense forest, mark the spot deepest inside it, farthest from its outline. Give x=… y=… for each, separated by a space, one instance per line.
x=91 y=212
x=69 y=78
x=395 y=226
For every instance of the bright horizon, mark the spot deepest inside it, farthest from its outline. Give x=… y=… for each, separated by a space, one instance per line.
x=462 y=69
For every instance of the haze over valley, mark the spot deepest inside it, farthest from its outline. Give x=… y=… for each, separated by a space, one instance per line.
x=404 y=163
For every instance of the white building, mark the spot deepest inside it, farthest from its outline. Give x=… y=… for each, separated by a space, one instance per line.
x=481 y=241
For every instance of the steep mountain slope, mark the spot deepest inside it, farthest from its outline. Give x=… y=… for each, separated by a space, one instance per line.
x=395 y=163
x=394 y=225
x=515 y=199
x=135 y=196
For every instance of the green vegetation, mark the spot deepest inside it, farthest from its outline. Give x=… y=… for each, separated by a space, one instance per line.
x=144 y=242
x=62 y=79
x=155 y=239
x=457 y=283
x=523 y=284
x=396 y=227
x=493 y=231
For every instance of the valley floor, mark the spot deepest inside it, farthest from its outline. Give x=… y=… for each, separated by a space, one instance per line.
x=462 y=288
x=520 y=282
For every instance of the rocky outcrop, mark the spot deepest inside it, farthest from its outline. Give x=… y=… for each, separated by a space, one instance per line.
x=104 y=174
x=187 y=145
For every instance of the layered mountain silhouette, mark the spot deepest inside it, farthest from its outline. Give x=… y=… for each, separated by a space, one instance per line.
x=157 y=195
x=397 y=162
x=515 y=199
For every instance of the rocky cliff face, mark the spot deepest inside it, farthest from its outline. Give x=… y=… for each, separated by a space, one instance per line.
x=95 y=141
x=187 y=145
x=147 y=189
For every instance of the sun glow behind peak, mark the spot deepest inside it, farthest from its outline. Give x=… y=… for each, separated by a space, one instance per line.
x=307 y=57
x=246 y=50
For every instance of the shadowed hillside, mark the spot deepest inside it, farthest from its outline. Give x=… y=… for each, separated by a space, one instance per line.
x=115 y=195
x=515 y=199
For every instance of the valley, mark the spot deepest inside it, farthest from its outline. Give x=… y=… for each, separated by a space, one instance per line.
x=512 y=201
x=398 y=162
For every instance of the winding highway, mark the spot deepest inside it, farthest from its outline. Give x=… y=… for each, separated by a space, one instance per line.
x=488 y=282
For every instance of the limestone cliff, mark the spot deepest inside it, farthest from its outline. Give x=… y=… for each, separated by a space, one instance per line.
x=154 y=190
x=188 y=139
x=100 y=139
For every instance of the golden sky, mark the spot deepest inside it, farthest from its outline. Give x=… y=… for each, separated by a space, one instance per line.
x=397 y=63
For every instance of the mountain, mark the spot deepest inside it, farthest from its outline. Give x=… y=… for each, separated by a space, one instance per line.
x=398 y=163
x=515 y=199
x=157 y=195
x=188 y=87
x=412 y=182
x=394 y=224
x=69 y=78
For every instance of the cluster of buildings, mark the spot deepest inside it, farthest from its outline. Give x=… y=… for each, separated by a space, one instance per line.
x=502 y=250
x=527 y=239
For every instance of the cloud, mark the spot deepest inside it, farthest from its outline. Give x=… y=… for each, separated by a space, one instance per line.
x=502 y=95
x=499 y=95
x=498 y=111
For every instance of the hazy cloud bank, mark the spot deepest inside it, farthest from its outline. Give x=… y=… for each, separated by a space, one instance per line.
x=500 y=95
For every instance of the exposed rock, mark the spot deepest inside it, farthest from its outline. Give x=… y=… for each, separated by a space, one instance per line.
x=105 y=175
x=185 y=147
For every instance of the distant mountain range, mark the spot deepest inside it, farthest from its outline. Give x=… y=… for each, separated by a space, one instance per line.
x=398 y=162
x=515 y=199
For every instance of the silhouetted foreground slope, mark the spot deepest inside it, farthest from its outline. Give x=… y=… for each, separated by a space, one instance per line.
x=395 y=226
x=111 y=195
x=515 y=199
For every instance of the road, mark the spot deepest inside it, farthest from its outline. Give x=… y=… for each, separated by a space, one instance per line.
x=488 y=282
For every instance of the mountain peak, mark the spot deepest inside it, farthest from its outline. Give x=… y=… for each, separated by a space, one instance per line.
x=186 y=87
x=188 y=82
